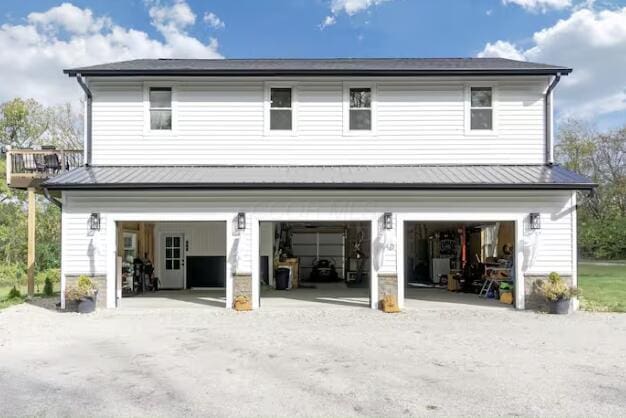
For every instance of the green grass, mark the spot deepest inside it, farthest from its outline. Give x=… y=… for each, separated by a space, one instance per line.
x=5 y=302
x=603 y=286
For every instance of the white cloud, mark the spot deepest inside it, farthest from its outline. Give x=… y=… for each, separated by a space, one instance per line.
x=593 y=43
x=69 y=18
x=176 y=16
x=213 y=20
x=501 y=49
x=328 y=21
x=35 y=52
x=350 y=7
x=540 y=5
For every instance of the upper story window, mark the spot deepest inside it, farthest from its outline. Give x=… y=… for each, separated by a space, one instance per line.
x=360 y=109
x=160 y=108
x=281 y=112
x=481 y=108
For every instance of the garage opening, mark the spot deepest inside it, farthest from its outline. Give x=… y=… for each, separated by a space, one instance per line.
x=315 y=262
x=460 y=262
x=183 y=261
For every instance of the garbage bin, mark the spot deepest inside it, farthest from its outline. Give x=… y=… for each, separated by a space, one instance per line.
x=282 y=278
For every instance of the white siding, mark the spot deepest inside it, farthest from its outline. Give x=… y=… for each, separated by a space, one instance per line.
x=417 y=121
x=546 y=250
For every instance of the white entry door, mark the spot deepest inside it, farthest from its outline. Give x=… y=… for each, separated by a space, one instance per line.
x=172 y=261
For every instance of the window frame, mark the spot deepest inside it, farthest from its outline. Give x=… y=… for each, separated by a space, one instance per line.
x=346 y=108
x=146 y=98
x=267 y=108
x=468 y=109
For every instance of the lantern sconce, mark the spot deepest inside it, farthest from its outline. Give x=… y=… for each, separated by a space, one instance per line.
x=388 y=220
x=94 y=221
x=535 y=220
x=241 y=221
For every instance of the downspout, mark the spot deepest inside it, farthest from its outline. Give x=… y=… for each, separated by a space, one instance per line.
x=548 y=120
x=52 y=200
x=88 y=122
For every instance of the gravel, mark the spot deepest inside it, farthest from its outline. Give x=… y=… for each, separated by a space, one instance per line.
x=434 y=359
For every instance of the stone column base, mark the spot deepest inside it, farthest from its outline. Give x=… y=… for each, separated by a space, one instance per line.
x=388 y=292
x=242 y=292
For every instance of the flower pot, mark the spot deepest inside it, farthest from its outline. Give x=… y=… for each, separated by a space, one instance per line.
x=87 y=305
x=559 y=307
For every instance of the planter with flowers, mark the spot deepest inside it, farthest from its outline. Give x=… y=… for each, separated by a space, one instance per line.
x=82 y=296
x=557 y=293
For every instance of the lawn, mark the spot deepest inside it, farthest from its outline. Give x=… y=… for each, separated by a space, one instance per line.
x=5 y=302
x=603 y=286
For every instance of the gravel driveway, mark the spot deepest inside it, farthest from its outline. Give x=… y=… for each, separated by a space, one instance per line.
x=188 y=359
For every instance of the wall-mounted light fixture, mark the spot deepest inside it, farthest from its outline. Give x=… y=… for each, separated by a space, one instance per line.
x=388 y=220
x=535 y=220
x=94 y=221
x=241 y=221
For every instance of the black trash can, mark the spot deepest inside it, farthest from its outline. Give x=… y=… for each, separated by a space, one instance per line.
x=282 y=278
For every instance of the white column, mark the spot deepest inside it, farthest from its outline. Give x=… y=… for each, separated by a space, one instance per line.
x=399 y=228
x=255 y=254
x=520 y=296
x=373 y=265
x=230 y=261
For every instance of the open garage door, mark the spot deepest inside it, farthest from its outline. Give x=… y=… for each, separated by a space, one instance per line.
x=460 y=262
x=308 y=263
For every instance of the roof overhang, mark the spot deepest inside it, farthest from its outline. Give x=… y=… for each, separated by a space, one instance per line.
x=511 y=177
x=316 y=73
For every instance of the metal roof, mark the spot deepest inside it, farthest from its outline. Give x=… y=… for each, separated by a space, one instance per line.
x=321 y=177
x=320 y=67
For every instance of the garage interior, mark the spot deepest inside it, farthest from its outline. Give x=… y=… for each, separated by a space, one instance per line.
x=156 y=257
x=462 y=262
x=324 y=262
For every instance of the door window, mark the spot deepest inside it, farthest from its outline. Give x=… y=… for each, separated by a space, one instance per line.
x=172 y=253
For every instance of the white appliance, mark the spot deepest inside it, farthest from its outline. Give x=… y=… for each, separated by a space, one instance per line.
x=439 y=267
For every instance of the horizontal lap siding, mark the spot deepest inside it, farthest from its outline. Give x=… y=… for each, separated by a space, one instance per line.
x=549 y=249
x=223 y=123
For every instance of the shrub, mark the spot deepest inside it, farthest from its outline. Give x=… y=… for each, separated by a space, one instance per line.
x=52 y=274
x=14 y=293
x=84 y=288
x=48 y=288
x=555 y=288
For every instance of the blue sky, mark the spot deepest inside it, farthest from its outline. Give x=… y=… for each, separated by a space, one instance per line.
x=564 y=32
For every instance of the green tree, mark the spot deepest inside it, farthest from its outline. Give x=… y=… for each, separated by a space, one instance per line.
x=26 y=123
x=600 y=156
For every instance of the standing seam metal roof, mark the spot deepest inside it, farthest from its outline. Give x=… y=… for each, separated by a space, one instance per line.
x=339 y=177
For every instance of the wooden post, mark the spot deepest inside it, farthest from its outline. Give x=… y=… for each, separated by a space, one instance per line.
x=32 y=212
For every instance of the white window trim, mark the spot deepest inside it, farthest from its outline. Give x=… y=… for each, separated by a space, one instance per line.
x=146 y=104
x=494 y=109
x=346 y=108
x=267 y=106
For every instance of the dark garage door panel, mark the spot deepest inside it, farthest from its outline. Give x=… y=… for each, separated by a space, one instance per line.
x=206 y=271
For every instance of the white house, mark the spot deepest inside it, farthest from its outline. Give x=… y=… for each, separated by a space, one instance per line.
x=400 y=173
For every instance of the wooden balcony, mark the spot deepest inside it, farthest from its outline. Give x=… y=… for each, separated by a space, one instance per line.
x=29 y=168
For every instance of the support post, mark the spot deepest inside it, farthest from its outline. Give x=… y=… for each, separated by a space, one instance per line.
x=32 y=212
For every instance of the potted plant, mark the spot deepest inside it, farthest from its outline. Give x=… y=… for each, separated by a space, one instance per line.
x=557 y=293
x=82 y=296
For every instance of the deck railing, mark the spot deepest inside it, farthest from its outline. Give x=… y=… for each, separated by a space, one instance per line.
x=27 y=167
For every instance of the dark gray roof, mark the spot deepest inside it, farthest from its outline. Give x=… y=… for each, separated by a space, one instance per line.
x=317 y=67
x=321 y=177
